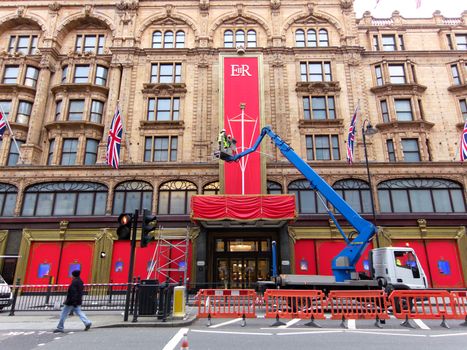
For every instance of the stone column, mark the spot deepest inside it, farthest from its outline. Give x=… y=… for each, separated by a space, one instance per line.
x=32 y=150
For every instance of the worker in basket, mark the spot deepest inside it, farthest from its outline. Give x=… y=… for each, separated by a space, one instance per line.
x=222 y=141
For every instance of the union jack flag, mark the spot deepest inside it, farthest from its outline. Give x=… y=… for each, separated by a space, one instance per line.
x=114 y=140
x=463 y=150
x=351 y=137
x=3 y=122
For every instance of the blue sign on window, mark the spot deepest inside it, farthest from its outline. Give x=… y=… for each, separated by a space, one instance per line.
x=44 y=270
x=366 y=265
x=443 y=267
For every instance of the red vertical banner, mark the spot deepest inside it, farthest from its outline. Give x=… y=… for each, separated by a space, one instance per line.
x=241 y=101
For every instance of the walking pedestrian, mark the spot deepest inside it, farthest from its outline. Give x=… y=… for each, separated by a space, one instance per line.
x=74 y=299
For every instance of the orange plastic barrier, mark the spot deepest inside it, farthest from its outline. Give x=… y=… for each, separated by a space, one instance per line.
x=357 y=304
x=459 y=304
x=288 y=303
x=226 y=303
x=422 y=304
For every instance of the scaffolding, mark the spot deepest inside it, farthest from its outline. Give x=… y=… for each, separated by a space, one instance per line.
x=170 y=259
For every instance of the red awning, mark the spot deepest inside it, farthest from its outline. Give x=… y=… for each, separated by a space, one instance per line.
x=243 y=208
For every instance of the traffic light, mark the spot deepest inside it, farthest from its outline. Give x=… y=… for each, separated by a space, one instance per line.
x=149 y=224
x=124 y=229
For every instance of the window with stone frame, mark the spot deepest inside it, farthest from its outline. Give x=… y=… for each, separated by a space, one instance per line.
x=273 y=187
x=69 y=152
x=410 y=150
x=90 y=43
x=58 y=110
x=64 y=74
x=391 y=150
x=403 y=108
x=76 y=110
x=212 y=188
x=388 y=42
x=10 y=75
x=306 y=199
x=166 y=73
x=8 y=196
x=315 y=71
x=427 y=195
x=6 y=107
x=356 y=193
x=101 y=75
x=461 y=41
x=131 y=195
x=456 y=75
x=322 y=147
x=463 y=108
x=31 y=76
x=394 y=73
x=161 y=149
x=50 y=154
x=397 y=74
x=81 y=74
x=319 y=107
x=240 y=37
x=65 y=198
x=13 y=154
x=384 y=111
x=311 y=37
x=163 y=109
x=90 y=155
x=25 y=44
x=97 y=111
x=175 y=197
x=167 y=39
x=24 y=112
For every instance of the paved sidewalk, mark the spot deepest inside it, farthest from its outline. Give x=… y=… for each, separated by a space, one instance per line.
x=47 y=320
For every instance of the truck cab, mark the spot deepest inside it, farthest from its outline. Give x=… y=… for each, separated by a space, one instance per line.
x=398 y=268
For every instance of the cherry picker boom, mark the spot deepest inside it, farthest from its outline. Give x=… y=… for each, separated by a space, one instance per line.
x=384 y=261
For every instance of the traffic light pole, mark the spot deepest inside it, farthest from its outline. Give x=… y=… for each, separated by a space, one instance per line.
x=132 y=263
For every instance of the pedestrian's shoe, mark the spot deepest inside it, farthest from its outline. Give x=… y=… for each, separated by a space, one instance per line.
x=87 y=327
x=59 y=330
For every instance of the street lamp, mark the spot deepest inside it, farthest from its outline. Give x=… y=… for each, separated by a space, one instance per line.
x=368 y=130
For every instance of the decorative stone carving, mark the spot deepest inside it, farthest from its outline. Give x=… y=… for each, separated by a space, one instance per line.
x=204 y=5
x=20 y=11
x=55 y=6
x=346 y=4
x=63 y=227
x=277 y=61
x=88 y=10
x=169 y=10
x=127 y=6
x=311 y=7
x=165 y=89
x=275 y=4
x=239 y=9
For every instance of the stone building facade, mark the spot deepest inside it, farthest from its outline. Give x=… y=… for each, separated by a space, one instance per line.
x=64 y=67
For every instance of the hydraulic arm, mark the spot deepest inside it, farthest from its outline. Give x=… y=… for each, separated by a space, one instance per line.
x=343 y=265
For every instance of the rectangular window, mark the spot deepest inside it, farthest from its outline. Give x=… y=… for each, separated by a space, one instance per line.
x=389 y=42
x=403 y=110
x=449 y=40
x=161 y=149
x=81 y=74
x=322 y=147
x=24 y=112
x=58 y=110
x=11 y=75
x=69 y=149
x=13 y=156
x=64 y=74
x=391 y=151
x=463 y=107
x=75 y=110
x=6 y=105
x=32 y=74
x=401 y=42
x=50 y=155
x=455 y=74
x=375 y=43
x=410 y=150
x=315 y=71
x=384 y=111
x=25 y=44
x=397 y=73
x=90 y=43
x=166 y=73
x=461 y=41
x=97 y=109
x=90 y=156
x=163 y=108
x=101 y=75
x=379 y=76
x=322 y=108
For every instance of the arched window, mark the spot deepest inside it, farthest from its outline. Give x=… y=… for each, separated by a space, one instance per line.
x=306 y=199
x=175 y=197
x=228 y=38
x=300 y=38
x=323 y=37
x=211 y=188
x=240 y=38
x=421 y=196
x=168 y=39
x=274 y=187
x=180 y=39
x=356 y=193
x=131 y=195
x=156 y=40
x=65 y=198
x=8 y=194
x=311 y=38
x=251 y=36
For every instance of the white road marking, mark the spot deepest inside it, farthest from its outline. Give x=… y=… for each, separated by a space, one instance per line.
x=290 y=323
x=226 y=323
x=446 y=335
x=420 y=323
x=384 y=333
x=175 y=339
x=226 y=332
x=351 y=324
x=310 y=332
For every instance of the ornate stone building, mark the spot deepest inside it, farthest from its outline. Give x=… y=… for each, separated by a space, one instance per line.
x=64 y=67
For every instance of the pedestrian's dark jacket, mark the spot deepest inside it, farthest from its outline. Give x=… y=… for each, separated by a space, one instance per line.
x=74 y=295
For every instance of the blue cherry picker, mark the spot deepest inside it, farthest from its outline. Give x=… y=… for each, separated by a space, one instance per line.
x=390 y=267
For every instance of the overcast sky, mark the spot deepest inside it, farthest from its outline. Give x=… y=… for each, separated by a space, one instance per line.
x=407 y=8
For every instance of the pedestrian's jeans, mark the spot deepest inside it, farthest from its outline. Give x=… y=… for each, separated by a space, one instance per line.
x=66 y=311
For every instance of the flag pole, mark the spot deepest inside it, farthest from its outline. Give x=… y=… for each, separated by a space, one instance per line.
x=124 y=133
x=11 y=134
